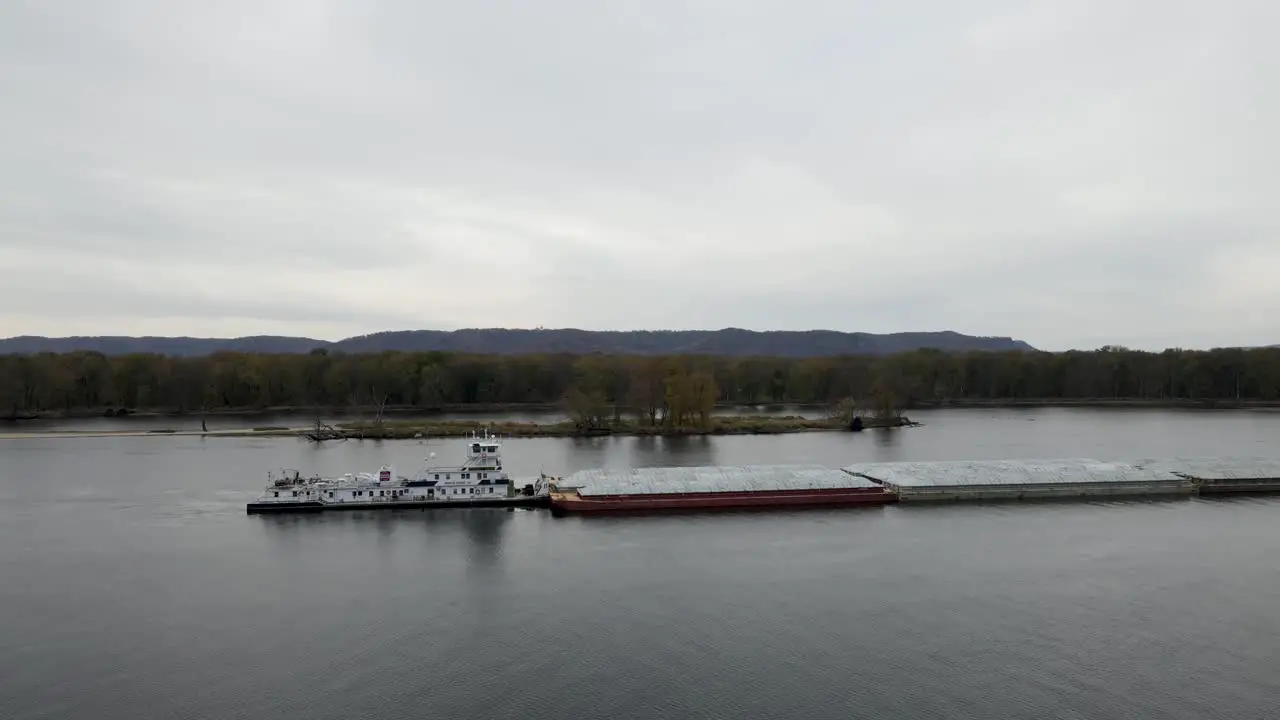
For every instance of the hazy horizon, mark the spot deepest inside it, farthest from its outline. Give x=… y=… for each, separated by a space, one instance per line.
x=629 y=330
x=1072 y=174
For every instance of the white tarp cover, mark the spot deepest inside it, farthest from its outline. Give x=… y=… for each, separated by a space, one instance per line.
x=706 y=479
x=1212 y=468
x=956 y=473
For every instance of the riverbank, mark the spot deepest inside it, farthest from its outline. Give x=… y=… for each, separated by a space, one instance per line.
x=411 y=429
x=354 y=411
x=300 y=410
x=716 y=425
x=231 y=433
x=543 y=408
x=1148 y=403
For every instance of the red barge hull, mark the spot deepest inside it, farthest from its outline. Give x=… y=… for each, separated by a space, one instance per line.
x=570 y=502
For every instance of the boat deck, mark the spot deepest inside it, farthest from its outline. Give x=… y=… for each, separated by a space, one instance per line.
x=327 y=506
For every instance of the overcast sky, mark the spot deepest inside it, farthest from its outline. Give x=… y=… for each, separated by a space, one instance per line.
x=1072 y=173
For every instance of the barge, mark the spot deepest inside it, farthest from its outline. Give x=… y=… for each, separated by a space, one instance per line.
x=1023 y=479
x=479 y=481
x=1225 y=476
x=655 y=489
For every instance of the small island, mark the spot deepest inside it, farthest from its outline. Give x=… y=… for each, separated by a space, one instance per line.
x=715 y=425
x=420 y=428
x=374 y=424
x=689 y=409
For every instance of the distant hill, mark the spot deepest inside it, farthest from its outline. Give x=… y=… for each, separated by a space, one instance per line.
x=499 y=341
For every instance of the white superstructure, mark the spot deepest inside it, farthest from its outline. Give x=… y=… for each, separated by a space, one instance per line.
x=478 y=480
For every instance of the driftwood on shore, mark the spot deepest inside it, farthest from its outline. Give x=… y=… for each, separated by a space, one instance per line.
x=322 y=431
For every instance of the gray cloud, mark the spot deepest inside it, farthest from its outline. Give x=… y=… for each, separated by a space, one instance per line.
x=1072 y=173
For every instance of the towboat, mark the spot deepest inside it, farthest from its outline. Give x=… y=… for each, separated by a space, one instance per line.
x=478 y=481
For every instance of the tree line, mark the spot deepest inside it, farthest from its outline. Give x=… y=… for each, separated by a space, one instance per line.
x=597 y=385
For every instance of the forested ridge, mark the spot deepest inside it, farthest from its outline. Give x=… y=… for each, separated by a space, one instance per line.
x=728 y=342
x=44 y=383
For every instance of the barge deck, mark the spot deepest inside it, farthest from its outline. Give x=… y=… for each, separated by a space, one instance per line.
x=1225 y=476
x=1023 y=479
x=700 y=489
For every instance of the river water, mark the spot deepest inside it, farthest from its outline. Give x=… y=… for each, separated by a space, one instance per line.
x=133 y=585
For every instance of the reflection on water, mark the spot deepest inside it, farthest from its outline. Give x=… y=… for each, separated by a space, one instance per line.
x=888 y=444
x=481 y=529
x=593 y=449
x=384 y=526
x=619 y=451
x=688 y=450
x=287 y=532
x=645 y=446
